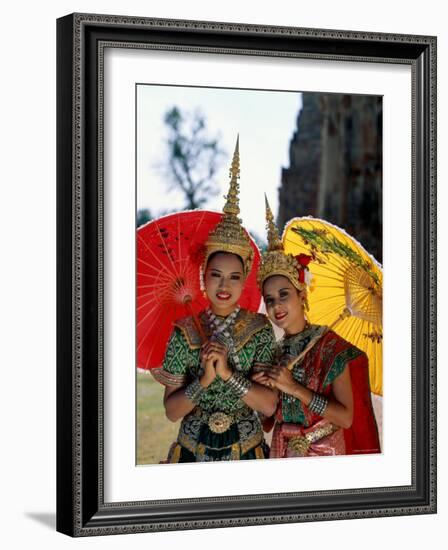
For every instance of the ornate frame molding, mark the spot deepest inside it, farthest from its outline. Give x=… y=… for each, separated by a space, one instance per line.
x=81 y=510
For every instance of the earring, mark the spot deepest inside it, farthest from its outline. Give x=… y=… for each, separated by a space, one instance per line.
x=201 y=279
x=201 y=282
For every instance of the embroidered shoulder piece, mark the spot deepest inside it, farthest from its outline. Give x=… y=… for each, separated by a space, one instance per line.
x=246 y=325
x=190 y=330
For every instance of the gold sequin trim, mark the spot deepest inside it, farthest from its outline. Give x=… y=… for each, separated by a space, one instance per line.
x=168 y=379
x=259 y=452
x=175 y=455
x=252 y=442
x=236 y=452
x=247 y=325
x=187 y=442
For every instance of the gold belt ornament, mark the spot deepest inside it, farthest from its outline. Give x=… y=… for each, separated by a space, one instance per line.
x=301 y=444
x=220 y=422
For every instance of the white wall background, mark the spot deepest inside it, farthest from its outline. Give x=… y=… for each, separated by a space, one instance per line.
x=27 y=217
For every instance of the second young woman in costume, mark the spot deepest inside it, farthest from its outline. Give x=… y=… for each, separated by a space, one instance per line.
x=324 y=405
x=209 y=360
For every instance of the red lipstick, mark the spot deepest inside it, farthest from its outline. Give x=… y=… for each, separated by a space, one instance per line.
x=281 y=315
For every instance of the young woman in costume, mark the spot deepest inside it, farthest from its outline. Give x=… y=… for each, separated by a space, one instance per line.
x=324 y=405
x=207 y=379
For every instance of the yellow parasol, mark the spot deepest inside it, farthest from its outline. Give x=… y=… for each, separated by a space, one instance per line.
x=346 y=290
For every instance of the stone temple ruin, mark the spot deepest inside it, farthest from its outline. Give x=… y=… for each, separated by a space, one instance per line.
x=335 y=170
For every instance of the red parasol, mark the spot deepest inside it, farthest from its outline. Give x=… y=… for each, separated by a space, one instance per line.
x=169 y=255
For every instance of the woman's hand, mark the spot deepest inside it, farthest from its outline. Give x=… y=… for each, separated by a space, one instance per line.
x=261 y=378
x=209 y=373
x=282 y=379
x=217 y=354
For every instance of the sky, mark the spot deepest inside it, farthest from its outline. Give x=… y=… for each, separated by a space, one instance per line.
x=265 y=122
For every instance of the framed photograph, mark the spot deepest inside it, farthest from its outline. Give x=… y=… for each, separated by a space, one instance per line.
x=187 y=146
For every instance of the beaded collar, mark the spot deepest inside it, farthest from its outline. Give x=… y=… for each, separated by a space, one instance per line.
x=222 y=332
x=222 y=324
x=296 y=343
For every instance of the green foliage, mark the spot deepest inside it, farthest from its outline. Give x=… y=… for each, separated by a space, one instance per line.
x=323 y=243
x=193 y=157
x=143 y=216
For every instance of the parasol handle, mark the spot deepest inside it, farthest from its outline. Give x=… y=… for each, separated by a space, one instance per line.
x=187 y=303
x=344 y=315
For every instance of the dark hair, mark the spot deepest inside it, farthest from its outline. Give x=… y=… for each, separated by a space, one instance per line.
x=213 y=254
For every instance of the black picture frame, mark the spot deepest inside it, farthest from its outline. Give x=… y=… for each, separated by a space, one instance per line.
x=81 y=510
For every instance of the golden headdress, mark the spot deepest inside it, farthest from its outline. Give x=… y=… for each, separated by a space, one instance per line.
x=229 y=235
x=275 y=262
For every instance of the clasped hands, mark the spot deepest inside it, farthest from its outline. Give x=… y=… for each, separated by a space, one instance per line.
x=214 y=362
x=276 y=376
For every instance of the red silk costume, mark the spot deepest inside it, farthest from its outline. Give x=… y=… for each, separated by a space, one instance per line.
x=320 y=367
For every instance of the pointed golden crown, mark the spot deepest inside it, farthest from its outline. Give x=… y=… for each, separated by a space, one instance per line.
x=274 y=261
x=229 y=235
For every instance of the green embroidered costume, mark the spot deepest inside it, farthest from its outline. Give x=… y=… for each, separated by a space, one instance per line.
x=221 y=426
